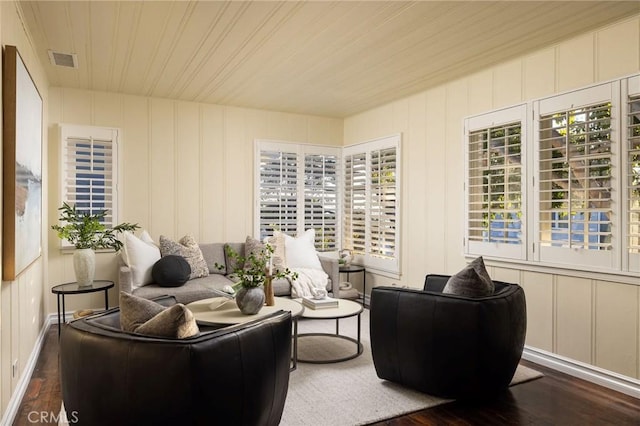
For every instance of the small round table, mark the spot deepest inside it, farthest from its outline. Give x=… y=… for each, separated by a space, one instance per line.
x=352 y=269
x=345 y=309
x=222 y=310
x=74 y=288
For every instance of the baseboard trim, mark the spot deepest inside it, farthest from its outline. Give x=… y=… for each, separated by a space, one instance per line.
x=590 y=373
x=21 y=387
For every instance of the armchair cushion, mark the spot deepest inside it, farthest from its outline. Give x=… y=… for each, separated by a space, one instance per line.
x=472 y=281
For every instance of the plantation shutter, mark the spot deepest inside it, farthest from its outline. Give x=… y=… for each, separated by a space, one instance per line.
x=495 y=183
x=321 y=199
x=575 y=177
x=298 y=190
x=89 y=174
x=633 y=174
x=355 y=182
x=383 y=202
x=371 y=203
x=278 y=190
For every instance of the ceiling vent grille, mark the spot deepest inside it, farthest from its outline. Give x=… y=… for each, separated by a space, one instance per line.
x=69 y=60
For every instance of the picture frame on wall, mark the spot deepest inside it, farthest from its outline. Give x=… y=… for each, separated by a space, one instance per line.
x=22 y=167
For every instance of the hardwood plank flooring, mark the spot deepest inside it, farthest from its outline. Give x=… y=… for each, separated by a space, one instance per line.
x=555 y=399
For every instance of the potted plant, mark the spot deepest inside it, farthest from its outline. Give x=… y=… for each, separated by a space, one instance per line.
x=254 y=274
x=87 y=233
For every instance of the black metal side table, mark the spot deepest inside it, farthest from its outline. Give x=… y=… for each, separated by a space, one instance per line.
x=352 y=269
x=62 y=290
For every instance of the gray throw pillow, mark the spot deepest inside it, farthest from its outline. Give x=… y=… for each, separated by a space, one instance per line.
x=135 y=311
x=188 y=248
x=472 y=281
x=143 y=316
x=176 y=322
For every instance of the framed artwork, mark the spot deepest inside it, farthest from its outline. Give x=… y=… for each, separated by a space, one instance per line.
x=22 y=167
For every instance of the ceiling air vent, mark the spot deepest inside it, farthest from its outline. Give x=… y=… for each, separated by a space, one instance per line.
x=69 y=60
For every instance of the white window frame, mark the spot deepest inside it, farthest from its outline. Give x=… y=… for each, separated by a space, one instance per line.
x=487 y=121
x=69 y=170
x=577 y=257
x=384 y=264
x=620 y=258
x=301 y=151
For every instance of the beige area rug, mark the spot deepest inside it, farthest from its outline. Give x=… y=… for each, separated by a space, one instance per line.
x=349 y=392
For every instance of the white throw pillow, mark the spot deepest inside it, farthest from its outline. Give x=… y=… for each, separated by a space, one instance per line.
x=301 y=252
x=140 y=256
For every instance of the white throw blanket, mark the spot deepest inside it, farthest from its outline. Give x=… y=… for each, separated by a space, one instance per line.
x=309 y=281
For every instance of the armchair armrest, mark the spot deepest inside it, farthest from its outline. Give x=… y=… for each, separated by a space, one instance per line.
x=332 y=268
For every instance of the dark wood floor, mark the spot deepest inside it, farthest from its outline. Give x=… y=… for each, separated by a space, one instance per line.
x=556 y=399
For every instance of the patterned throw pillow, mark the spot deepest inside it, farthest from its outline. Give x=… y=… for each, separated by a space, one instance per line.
x=188 y=248
x=472 y=281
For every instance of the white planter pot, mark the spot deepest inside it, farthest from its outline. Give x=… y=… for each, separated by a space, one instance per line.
x=84 y=264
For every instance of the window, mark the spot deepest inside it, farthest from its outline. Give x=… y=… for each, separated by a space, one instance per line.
x=495 y=182
x=371 y=207
x=632 y=140
x=89 y=170
x=576 y=178
x=556 y=181
x=291 y=175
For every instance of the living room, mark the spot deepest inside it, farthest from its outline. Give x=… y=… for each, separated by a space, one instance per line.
x=189 y=167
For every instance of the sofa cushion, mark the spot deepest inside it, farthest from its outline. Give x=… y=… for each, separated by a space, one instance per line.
x=139 y=254
x=301 y=252
x=213 y=254
x=188 y=248
x=192 y=290
x=145 y=316
x=472 y=281
x=171 y=271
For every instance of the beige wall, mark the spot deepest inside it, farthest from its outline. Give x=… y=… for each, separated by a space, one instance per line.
x=185 y=167
x=22 y=302
x=583 y=318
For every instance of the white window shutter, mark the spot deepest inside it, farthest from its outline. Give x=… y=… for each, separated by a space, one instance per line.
x=321 y=199
x=89 y=169
x=278 y=190
x=576 y=178
x=495 y=148
x=632 y=181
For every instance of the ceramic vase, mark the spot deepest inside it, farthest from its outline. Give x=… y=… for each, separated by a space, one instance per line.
x=84 y=265
x=250 y=300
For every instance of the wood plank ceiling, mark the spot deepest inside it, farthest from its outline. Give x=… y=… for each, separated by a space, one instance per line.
x=324 y=58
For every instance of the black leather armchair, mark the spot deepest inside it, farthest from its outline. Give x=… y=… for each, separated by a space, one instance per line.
x=446 y=345
x=233 y=375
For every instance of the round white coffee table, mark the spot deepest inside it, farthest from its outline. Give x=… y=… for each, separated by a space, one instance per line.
x=345 y=309
x=221 y=310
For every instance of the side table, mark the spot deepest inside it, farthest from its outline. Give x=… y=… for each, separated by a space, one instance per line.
x=352 y=269
x=62 y=290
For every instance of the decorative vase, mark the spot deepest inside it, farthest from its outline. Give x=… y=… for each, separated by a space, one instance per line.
x=250 y=300
x=84 y=265
x=268 y=291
